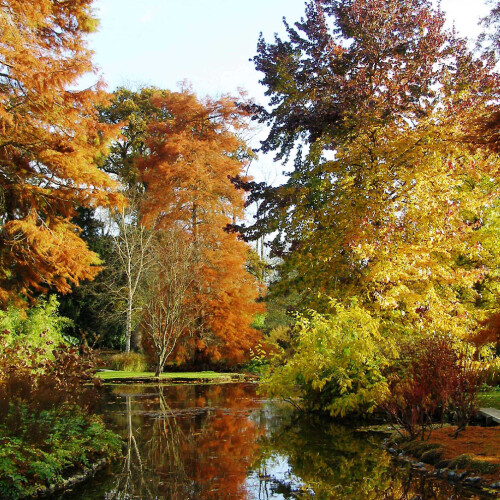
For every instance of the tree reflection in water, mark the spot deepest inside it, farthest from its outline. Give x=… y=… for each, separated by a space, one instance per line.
x=330 y=461
x=199 y=446
x=192 y=442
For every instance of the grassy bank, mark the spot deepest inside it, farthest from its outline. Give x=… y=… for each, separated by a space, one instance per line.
x=490 y=399
x=173 y=376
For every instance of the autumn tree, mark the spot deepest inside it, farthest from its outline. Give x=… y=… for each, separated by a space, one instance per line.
x=386 y=201
x=191 y=158
x=170 y=311
x=50 y=140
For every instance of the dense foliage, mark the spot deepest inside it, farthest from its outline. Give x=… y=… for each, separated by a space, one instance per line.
x=333 y=362
x=47 y=430
x=40 y=449
x=391 y=203
x=38 y=327
x=50 y=139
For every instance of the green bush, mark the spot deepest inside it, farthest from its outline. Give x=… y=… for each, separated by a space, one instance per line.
x=39 y=448
x=332 y=362
x=128 y=362
x=39 y=327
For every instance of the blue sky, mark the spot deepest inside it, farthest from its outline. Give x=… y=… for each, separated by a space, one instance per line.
x=162 y=42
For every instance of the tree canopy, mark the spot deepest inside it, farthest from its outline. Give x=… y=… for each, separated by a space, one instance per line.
x=50 y=140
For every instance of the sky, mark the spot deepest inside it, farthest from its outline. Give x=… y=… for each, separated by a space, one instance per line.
x=208 y=43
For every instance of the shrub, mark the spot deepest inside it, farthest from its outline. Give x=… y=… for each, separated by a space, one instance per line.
x=435 y=379
x=128 y=362
x=46 y=426
x=37 y=327
x=332 y=362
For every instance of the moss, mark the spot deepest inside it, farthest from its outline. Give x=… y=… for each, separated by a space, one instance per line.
x=417 y=448
x=432 y=456
x=469 y=463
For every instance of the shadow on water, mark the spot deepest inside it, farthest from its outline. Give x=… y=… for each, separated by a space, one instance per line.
x=225 y=442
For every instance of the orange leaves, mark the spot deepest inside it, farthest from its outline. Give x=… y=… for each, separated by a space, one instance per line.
x=194 y=152
x=50 y=139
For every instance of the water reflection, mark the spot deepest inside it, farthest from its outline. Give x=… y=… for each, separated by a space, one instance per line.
x=308 y=458
x=224 y=442
x=186 y=442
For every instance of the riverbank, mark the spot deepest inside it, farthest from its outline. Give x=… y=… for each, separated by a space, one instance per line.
x=43 y=451
x=472 y=459
x=124 y=377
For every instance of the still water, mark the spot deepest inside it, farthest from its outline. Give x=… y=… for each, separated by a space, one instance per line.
x=227 y=442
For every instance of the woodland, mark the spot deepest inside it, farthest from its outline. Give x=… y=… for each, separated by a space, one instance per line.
x=125 y=239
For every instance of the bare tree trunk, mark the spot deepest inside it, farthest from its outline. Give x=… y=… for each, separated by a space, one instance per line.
x=128 y=326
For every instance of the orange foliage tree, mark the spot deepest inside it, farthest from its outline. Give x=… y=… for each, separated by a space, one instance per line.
x=192 y=157
x=50 y=139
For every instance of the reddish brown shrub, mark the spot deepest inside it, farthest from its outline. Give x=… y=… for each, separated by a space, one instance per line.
x=435 y=380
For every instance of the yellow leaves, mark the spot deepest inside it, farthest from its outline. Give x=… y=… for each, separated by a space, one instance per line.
x=337 y=358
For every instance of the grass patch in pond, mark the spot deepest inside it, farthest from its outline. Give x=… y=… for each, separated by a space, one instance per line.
x=111 y=375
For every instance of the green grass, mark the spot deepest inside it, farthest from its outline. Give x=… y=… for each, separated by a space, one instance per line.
x=107 y=375
x=490 y=399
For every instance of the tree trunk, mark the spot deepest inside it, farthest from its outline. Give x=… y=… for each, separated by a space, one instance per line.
x=128 y=331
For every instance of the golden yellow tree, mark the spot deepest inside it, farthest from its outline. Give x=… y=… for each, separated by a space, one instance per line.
x=388 y=200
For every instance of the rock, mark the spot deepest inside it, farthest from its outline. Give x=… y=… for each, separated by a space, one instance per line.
x=451 y=476
x=473 y=481
x=442 y=464
x=418 y=465
x=392 y=451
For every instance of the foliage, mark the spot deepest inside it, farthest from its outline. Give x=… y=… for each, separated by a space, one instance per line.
x=50 y=140
x=90 y=305
x=390 y=201
x=259 y=358
x=386 y=202
x=39 y=327
x=436 y=378
x=335 y=362
x=38 y=448
x=43 y=378
x=175 y=159
x=128 y=362
x=47 y=393
x=351 y=60
x=191 y=158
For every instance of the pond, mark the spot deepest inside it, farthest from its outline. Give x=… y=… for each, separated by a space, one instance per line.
x=224 y=441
